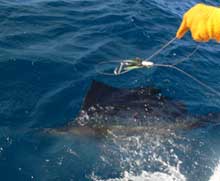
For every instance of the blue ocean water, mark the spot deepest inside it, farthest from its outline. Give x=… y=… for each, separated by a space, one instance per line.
x=49 y=54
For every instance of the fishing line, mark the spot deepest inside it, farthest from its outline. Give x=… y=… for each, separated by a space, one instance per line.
x=126 y=66
x=161 y=49
x=190 y=76
x=187 y=57
x=111 y=71
x=126 y=61
x=132 y=64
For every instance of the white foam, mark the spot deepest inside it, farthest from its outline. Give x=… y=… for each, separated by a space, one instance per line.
x=147 y=176
x=216 y=174
x=135 y=154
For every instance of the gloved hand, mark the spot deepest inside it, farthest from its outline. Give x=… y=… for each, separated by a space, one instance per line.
x=203 y=21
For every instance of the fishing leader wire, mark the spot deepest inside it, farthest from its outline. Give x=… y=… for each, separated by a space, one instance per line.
x=128 y=65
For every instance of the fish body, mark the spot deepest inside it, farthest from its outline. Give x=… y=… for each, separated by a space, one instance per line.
x=108 y=111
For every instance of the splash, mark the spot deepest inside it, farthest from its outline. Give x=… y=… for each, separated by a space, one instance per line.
x=140 y=161
x=147 y=176
x=216 y=174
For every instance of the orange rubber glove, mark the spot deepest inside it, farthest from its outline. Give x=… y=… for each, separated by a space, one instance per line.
x=203 y=21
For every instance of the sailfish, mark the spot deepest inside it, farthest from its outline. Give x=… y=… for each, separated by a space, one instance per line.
x=108 y=111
